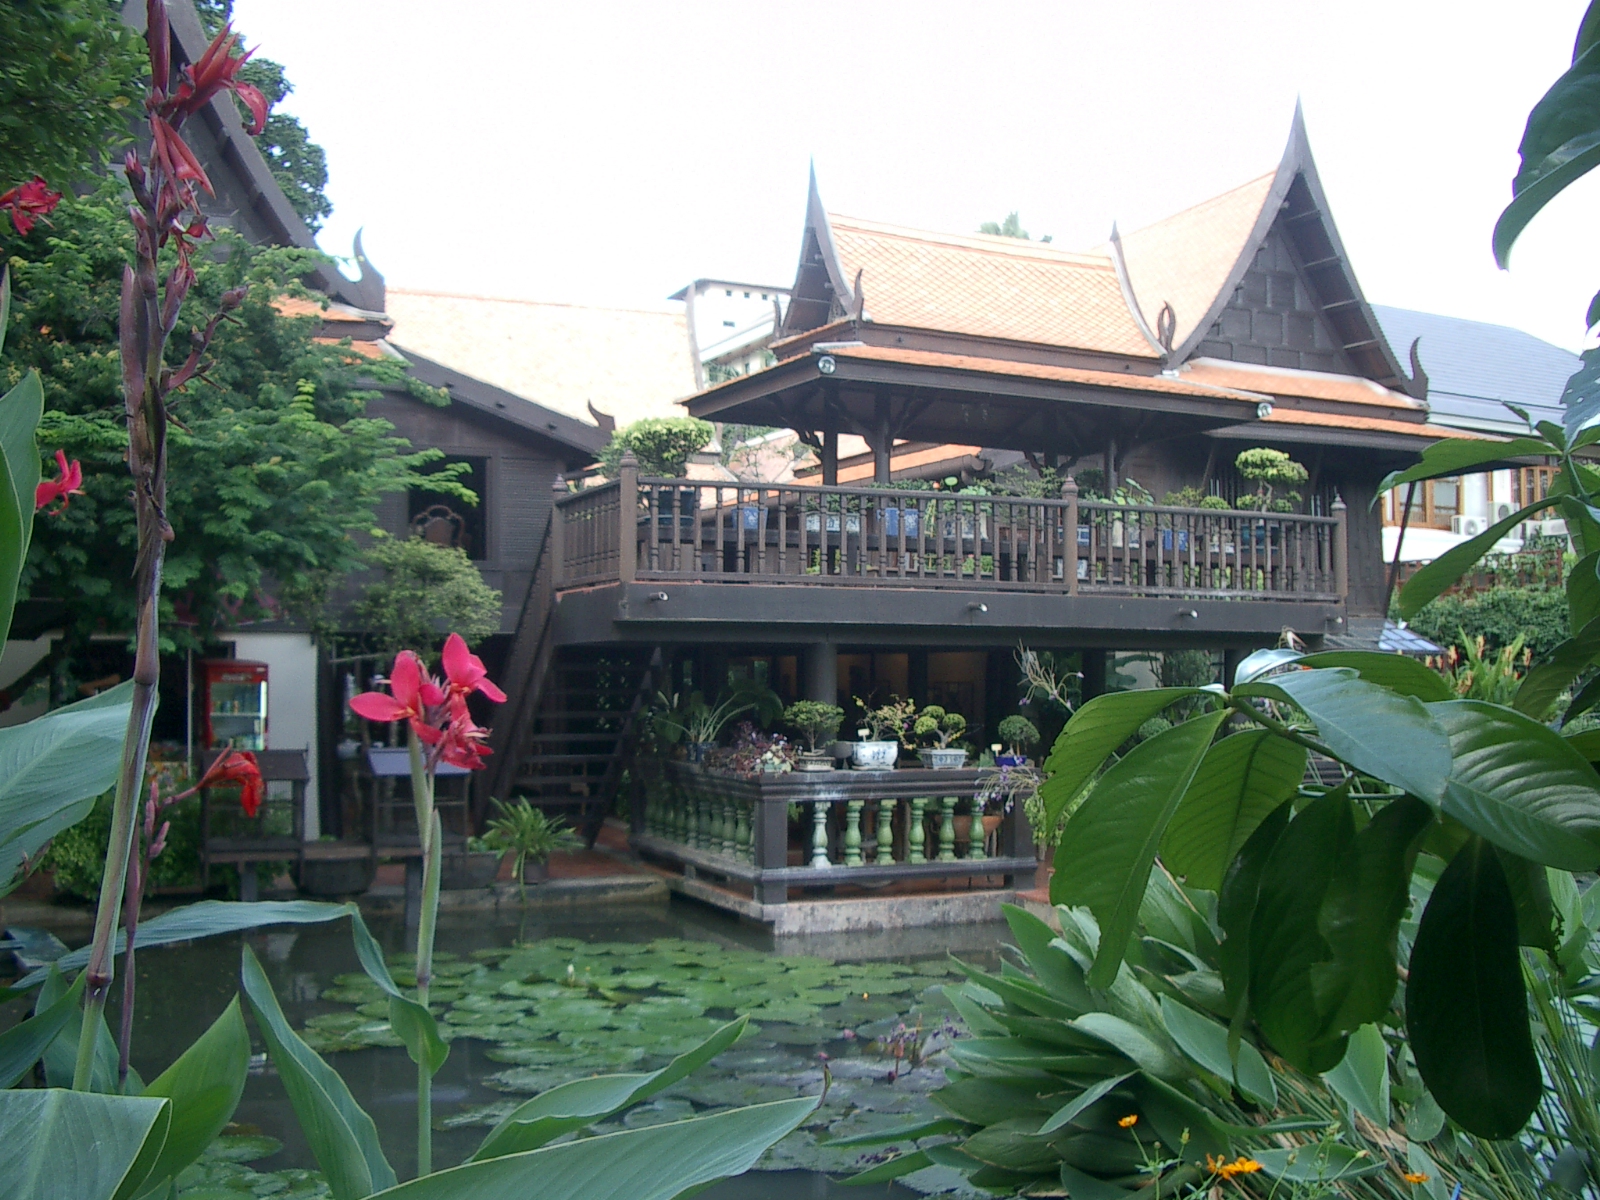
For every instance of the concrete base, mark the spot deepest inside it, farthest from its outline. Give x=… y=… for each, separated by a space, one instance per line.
x=554 y=893
x=855 y=914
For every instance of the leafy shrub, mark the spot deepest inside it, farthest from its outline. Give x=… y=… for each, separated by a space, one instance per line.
x=661 y=444
x=1018 y=733
x=1499 y=615
x=426 y=588
x=77 y=855
x=816 y=719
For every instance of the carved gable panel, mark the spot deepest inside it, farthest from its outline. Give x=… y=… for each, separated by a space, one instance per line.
x=1272 y=319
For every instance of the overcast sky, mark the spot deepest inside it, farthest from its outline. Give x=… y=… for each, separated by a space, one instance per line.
x=609 y=153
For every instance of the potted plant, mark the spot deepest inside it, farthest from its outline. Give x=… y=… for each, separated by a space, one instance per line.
x=524 y=832
x=816 y=721
x=940 y=727
x=698 y=724
x=1018 y=734
x=474 y=866
x=882 y=730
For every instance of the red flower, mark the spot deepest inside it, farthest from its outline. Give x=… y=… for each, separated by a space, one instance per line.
x=237 y=768
x=411 y=694
x=68 y=482
x=28 y=202
x=465 y=674
x=463 y=744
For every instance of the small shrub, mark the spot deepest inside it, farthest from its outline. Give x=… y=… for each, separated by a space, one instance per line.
x=661 y=444
x=816 y=720
x=1499 y=615
x=1018 y=733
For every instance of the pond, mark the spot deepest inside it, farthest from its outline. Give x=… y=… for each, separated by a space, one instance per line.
x=529 y=1004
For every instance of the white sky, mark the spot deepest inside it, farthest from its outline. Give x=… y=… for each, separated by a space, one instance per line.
x=608 y=152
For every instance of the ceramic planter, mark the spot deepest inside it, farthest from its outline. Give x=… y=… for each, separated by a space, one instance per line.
x=1010 y=760
x=874 y=756
x=336 y=877
x=820 y=761
x=942 y=760
x=535 y=872
x=462 y=872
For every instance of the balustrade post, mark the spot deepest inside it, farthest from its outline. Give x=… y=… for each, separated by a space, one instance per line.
x=741 y=830
x=978 y=835
x=1069 y=555
x=628 y=519
x=726 y=839
x=558 y=531
x=819 y=834
x=915 y=833
x=883 y=853
x=947 y=829
x=771 y=849
x=1341 y=548
x=852 y=833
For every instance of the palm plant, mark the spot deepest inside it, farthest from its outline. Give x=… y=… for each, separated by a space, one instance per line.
x=526 y=833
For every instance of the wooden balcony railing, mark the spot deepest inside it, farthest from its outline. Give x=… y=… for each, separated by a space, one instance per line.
x=676 y=529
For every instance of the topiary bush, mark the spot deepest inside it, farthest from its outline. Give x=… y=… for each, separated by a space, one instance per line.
x=661 y=444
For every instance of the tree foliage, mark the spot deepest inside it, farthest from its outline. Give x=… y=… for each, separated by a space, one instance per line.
x=1499 y=615
x=425 y=590
x=661 y=444
x=69 y=71
x=272 y=469
x=1011 y=227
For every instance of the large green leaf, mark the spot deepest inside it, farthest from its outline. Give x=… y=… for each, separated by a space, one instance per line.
x=64 y=1145
x=204 y=1086
x=1397 y=672
x=1583 y=592
x=1449 y=457
x=584 y=1101
x=1285 y=942
x=1521 y=785
x=1106 y=850
x=1073 y=1109
x=1236 y=907
x=1581 y=397
x=25 y=1042
x=341 y=1135
x=20 y=409
x=1362 y=1077
x=1055 y=969
x=654 y=1163
x=1375 y=730
x=1466 y=1008
x=1240 y=781
x=412 y=1023
x=1560 y=145
x=1360 y=917
x=1206 y=1042
x=1433 y=579
x=52 y=768
x=207 y=919
x=61 y=1055
x=1094 y=731
x=1542 y=686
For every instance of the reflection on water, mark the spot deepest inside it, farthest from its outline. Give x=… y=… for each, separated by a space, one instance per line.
x=183 y=988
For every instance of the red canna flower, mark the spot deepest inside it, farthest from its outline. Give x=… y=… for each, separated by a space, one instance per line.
x=464 y=674
x=237 y=768
x=68 y=482
x=462 y=744
x=29 y=202
x=411 y=693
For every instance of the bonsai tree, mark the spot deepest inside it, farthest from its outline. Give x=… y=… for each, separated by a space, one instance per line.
x=939 y=726
x=1270 y=469
x=816 y=720
x=524 y=831
x=661 y=444
x=1018 y=733
x=888 y=722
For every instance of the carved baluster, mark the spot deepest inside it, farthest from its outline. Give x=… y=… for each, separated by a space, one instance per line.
x=819 y=834
x=852 y=833
x=741 y=830
x=915 y=833
x=976 y=835
x=947 y=830
x=883 y=853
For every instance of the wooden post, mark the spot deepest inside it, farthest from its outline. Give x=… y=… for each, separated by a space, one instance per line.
x=558 y=489
x=882 y=443
x=1094 y=673
x=1069 y=557
x=628 y=519
x=830 y=457
x=1341 y=549
x=771 y=849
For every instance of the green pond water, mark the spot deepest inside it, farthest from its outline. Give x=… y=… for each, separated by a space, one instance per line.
x=531 y=1003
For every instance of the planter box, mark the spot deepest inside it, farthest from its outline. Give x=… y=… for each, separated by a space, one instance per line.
x=463 y=872
x=874 y=756
x=336 y=877
x=943 y=760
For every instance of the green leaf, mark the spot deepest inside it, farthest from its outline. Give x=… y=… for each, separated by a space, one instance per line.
x=1397 y=672
x=1360 y=917
x=1106 y=849
x=207 y=919
x=1466 y=1007
x=908 y=1133
x=1242 y=779
x=61 y=1055
x=1094 y=731
x=1086 y=1187
x=1070 y=1111
x=1317 y=1163
x=80 y=1145
x=1375 y=730
x=1583 y=592
x=1521 y=785
x=1560 y=145
x=654 y=1163
x=1189 y=1130
x=1542 y=686
x=584 y=1101
x=342 y=1137
x=1057 y=970
x=1586 y=743
x=25 y=1042
x=1236 y=907
x=52 y=768
x=1433 y=579
x=1580 y=399
x=1362 y=1078
x=1206 y=1042
x=1152 y=1055
x=895 y=1168
x=20 y=409
x=1530 y=893
x=204 y=1086
x=1452 y=456
x=1285 y=942
x=412 y=1023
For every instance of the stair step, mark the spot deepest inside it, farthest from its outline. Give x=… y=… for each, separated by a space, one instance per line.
x=532 y=759
x=598 y=735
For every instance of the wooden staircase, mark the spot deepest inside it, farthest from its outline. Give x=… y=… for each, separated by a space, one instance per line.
x=561 y=738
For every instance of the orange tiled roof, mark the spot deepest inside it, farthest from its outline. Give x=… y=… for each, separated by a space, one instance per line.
x=1417 y=429
x=903 y=462
x=1312 y=385
x=363 y=349
x=1185 y=259
x=987 y=287
x=300 y=306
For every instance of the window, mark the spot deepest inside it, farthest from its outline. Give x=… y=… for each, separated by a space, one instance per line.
x=728 y=292
x=729 y=324
x=448 y=521
x=763 y=295
x=1529 y=484
x=1437 y=503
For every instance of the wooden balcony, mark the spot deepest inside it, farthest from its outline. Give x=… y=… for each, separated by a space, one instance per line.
x=641 y=530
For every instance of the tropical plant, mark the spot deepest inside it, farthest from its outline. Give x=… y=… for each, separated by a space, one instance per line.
x=1499 y=615
x=689 y=718
x=423 y=587
x=938 y=726
x=1477 y=674
x=661 y=445
x=1269 y=470
x=889 y=722
x=1018 y=733
x=528 y=835
x=816 y=720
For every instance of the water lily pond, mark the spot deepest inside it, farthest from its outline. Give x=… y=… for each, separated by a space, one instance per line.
x=530 y=1005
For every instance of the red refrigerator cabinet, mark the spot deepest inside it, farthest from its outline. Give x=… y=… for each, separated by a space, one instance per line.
x=235 y=703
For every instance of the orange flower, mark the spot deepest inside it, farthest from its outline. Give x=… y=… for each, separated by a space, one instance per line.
x=1129 y=1121
x=1224 y=1169
x=1415 y=1177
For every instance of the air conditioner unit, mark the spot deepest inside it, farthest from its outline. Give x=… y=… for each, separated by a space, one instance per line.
x=1503 y=510
x=1468 y=526
x=1549 y=528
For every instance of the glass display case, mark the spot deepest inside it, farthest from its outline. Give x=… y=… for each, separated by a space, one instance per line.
x=235 y=703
